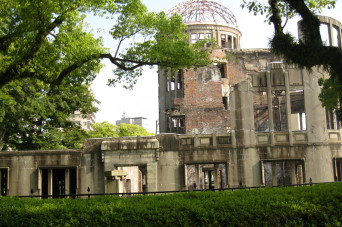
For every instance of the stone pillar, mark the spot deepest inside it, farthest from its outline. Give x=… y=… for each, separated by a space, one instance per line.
x=242 y=114
x=151 y=177
x=315 y=114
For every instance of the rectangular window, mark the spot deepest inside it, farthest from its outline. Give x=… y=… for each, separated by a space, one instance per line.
x=208 y=36
x=298 y=116
x=230 y=43
x=261 y=116
x=223 y=41
x=324 y=30
x=4 y=181
x=332 y=120
x=222 y=70
x=279 y=111
x=205 y=176
x=179 y=81
x=201 y=36
x=286 y=172
x=193 y=38
x=225 y=102
x=336 y=38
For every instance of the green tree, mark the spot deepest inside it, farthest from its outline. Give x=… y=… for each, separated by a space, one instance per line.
x=103 y=130
x=35 y=116
x=107 y=130
x=47 y=55
x=48 y=40
x=309 y=51
x=131 y=130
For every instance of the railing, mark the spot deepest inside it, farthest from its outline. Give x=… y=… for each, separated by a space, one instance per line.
x=131 y=194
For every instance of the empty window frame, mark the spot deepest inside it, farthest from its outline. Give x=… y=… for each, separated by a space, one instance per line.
x=225 y=102
x=324 y=30
x=298 y=116
x=180 y=79
x=279 y=111
x=205 y=176
x=201 y=36
x=223 y=41
x=222 y=70
x=332 y=120
x=283 y=172
x=58 y=181
x=177 y=124
x=261 y=116
x=208 y=36
x=338 y=169
x=336 y=37
x=4 y=181
x=230 y=42
x=193 y=38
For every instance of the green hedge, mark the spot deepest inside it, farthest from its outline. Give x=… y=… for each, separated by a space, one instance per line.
x=295 y=206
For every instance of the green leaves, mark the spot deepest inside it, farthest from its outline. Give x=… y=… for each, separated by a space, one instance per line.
x=107 y=130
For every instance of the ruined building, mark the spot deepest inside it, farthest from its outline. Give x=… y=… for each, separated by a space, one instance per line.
x=197 y=101
x=252 y=122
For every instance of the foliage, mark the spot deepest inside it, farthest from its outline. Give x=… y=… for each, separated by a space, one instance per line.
x=48 y=40
x=309 y=51
x=37 y=116
x=106 y=130
x=48 y=55
x=296 y=206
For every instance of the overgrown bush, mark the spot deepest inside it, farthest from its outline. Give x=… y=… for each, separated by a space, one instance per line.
x=296 y=206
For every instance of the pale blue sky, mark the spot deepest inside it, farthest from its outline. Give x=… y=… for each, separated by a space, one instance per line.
x=143 y=100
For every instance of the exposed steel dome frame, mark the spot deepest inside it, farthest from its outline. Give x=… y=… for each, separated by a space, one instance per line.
x=204 y=12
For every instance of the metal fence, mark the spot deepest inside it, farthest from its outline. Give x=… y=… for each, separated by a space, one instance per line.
x=131 y=194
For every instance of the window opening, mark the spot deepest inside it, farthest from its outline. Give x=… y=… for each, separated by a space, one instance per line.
x=208 y=36
x=279 y=111
x=223 y=40
x=261 y=116
x=332 y=119
x=222 y=71
x=180 y=78
x=336 y=38
x=3 y=181
x=278 y=173
x=324 y=30
x=58 y=183
x=73 y=181
x=206 y=176
x=201 y=36
x=298 y=116
x=225 y=102
x=45 y=183
x=230 y=42
x=193 y=38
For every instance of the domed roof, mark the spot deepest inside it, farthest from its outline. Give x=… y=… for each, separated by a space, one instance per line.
x=204 y=12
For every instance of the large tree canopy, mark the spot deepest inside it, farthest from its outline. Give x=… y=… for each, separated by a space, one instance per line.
x=48 y=40
x=48 y=58
x=35 y=116
x=310 y=50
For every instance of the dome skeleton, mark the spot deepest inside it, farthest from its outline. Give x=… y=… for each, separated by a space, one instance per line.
x=204 y=12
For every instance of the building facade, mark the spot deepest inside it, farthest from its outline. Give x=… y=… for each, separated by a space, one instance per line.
x=270 y=130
